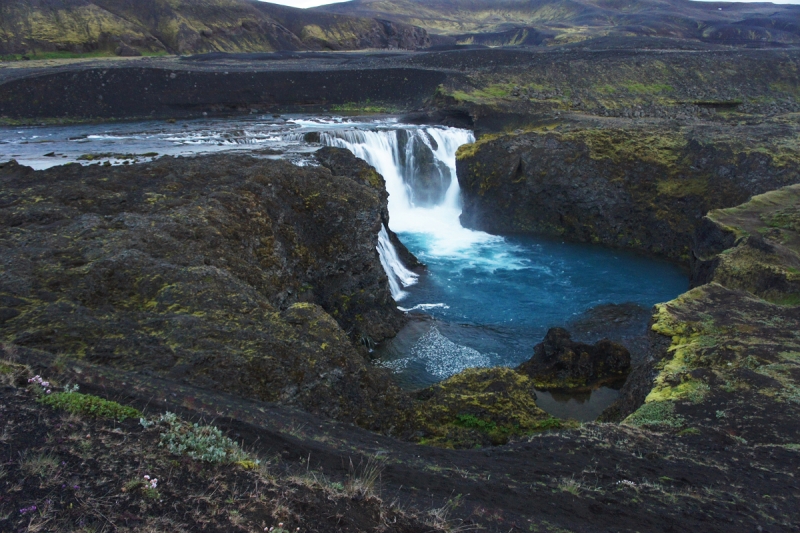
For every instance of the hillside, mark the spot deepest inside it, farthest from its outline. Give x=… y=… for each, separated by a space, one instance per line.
x=156 y=27
x=577 y=20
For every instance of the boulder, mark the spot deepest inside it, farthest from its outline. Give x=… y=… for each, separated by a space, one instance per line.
x=125 y=50
x=312 y=137
x=558 y=362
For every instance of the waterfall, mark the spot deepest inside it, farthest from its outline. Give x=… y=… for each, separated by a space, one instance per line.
x=399 y=275
x=419 y=166
x=415 y=159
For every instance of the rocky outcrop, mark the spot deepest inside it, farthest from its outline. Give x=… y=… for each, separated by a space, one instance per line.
x=640 y=188
x=558 y=362
x=726 y=352
x=251 y=276
x=753 y=247
x=478 y=407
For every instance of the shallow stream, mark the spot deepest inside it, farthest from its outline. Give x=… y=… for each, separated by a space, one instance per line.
x=483 y=300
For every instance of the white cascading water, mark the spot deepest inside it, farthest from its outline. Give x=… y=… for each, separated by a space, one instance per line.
x=440 y=222
x=399 y=276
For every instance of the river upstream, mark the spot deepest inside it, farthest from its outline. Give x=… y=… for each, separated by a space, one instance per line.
x=483 y=300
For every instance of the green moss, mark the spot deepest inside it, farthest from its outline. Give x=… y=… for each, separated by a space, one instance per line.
x=652 y=88
x=466 y=151
x=656 y=415
x=680 y=188
x=363 y=108
x=688 y=341
x=627 y=145
x=486 y=95
x=373 y=178
x=88 y=405
x=480 y=407
x=787 y=218
x=786 y=300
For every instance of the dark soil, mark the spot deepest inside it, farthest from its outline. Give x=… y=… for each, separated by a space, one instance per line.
x=597 y=478
x=64 y=472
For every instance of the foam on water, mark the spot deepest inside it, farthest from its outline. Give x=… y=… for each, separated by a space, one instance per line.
x=441 y=356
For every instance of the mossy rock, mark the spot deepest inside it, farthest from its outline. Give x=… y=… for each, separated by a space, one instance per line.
x=643 y=187
x=732 y=365
x=479 y=407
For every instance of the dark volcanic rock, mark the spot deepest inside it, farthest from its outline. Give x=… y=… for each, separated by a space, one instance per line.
x=123 y=91
x=558 y=362
x=125 y=50
x=229 y=272
x=725 y=354
x=641 y=188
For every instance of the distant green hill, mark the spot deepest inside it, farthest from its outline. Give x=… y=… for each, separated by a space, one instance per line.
x=577 y=20
x=48 y=28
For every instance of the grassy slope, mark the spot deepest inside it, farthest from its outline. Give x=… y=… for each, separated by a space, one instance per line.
x=175 y=26
x=572 y=19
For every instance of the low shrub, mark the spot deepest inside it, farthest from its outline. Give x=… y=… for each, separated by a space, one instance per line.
x=202 y=443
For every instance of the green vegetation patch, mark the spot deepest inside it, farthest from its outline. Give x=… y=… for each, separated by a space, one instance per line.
x=480 y=407
x=645 y=88
x=679 y=188
x=662 y=148
x=466 y=151
x=201 y=443
x=787 y=218
x=86 y=404
x=363 y=108
x=656 y=415
x=56 y=55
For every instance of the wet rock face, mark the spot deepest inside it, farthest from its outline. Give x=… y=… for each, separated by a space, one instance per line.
x=558 y=362
x=427 y=178
x=229 y=272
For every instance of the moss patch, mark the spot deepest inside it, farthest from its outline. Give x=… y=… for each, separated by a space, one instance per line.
x=480 y=407
x=88 y=405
